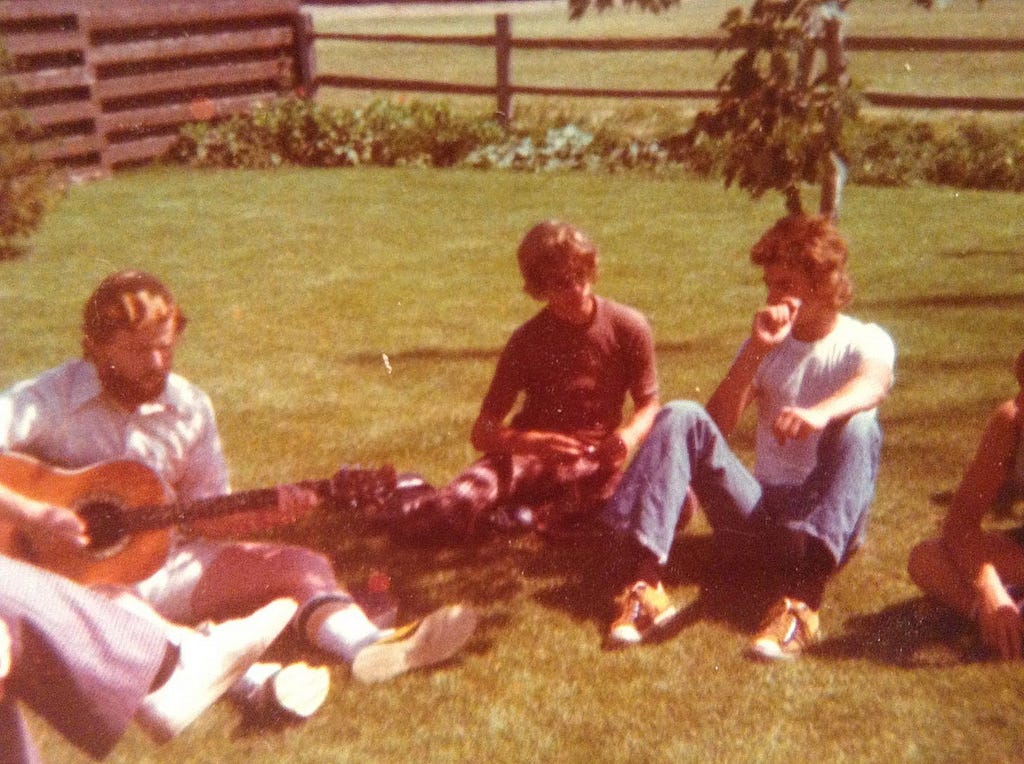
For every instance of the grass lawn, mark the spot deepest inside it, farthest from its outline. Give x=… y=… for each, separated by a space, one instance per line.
x=298 y=281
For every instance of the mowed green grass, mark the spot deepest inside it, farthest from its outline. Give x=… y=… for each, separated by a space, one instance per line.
x=298 y=282
x=992 y=74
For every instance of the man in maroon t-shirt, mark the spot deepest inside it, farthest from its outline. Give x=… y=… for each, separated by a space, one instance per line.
x=573 y=363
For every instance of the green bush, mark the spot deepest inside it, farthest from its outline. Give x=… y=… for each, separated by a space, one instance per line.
x=979 y=156
x=305 y=133
x=28 y=185
x=890 y=152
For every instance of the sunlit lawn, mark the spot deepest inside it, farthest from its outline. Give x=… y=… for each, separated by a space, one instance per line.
x=298 y=281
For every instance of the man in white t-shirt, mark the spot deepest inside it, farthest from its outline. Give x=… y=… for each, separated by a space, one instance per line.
x=817 y=377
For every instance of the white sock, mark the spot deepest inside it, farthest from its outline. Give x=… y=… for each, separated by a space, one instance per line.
x=253 y=680
x=341 y=629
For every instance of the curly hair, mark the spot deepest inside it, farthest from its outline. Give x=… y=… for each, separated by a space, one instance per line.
x=125 y=300
x=555 y=255
x=813 y=245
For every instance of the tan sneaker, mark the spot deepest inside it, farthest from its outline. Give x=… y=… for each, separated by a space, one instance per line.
x=788 y=628
x=294 y=691
x=432 y=640
x=642 y=609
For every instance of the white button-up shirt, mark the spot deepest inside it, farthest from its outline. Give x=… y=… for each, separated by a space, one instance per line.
x=62 y=418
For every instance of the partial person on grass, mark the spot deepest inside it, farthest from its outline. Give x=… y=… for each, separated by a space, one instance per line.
x=559 y=455
x=121 y=401
x=89 y=666
x=977 y=572
x=817 y=377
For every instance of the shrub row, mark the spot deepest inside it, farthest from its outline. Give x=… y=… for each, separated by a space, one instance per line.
x=961 y=153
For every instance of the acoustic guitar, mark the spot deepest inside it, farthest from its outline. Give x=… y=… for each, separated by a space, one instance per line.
x=128 y=519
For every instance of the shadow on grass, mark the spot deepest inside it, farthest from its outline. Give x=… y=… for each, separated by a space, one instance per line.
x=479 y=354
x=581 y=574
x=1006 y=301
x=592 y=573
x=913 y=634
x=916 y=633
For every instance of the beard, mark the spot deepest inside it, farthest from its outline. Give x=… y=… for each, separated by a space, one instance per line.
x=132 y=393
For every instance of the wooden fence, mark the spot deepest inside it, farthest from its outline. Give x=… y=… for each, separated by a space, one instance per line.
x=504 y=89
x=109 y=82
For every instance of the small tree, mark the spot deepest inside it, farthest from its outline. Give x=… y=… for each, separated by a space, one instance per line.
x=779 y=119
x=28 y=187
x=784 y=101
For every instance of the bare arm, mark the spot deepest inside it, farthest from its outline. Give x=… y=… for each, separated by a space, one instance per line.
x=492 y=436
x=772 y=324
x=614 y=449
x=735 y=392
x=985 y=476
x=864 y=391
x=975 y=554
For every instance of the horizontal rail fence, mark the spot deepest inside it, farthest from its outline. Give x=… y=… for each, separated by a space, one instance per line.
x=109 y=82
x=504 y=89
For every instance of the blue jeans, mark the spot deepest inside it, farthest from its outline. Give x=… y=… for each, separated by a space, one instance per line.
x=685 y=448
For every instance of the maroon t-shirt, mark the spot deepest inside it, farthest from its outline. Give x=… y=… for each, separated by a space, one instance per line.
x=575 y=378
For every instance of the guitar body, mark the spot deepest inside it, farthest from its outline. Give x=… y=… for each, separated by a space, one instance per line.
x=111 y=487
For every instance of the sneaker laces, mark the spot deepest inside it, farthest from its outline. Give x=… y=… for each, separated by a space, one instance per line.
x=631 y=603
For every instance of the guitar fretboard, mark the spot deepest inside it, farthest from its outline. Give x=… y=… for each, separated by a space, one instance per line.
x=154 y=517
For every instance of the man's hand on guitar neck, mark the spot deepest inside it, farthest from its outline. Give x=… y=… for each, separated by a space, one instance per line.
x=37 y=518
x=293 y=503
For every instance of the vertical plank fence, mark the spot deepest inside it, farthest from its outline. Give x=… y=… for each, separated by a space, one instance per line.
x=109 y=82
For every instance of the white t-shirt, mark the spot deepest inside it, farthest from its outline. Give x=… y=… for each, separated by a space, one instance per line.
x=802 y=374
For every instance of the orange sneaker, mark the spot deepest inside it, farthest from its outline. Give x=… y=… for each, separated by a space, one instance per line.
x=788 y=628
x=642 y=609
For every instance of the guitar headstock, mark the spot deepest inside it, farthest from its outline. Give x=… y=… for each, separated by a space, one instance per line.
x=361 y=487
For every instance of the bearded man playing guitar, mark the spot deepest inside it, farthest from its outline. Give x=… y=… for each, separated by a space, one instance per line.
x=121 y=401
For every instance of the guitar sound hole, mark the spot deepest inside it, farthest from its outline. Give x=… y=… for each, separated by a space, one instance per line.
x=106 y=526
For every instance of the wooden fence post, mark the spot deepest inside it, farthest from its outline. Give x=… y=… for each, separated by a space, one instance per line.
x=305 y=54
x=83 y=20
x=503 y=65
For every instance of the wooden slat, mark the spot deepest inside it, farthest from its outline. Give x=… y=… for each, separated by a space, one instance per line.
x=34 y=43
x=691 y=94
x=416 y=39
x=193 y=45
x=959 y=103
x=179 y=113
x=189 y=79
x=425 y=86
x=120 y=14
x=705 y=42
x=29 y=10
x=417 y=86
x=935 y=44
x=61 y=113
x=51 y=79
x=139 y=150
x=67 y=147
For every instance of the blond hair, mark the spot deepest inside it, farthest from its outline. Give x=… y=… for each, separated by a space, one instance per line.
x=126 y=300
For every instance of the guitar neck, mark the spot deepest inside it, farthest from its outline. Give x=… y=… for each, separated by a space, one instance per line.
x=165 y=516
